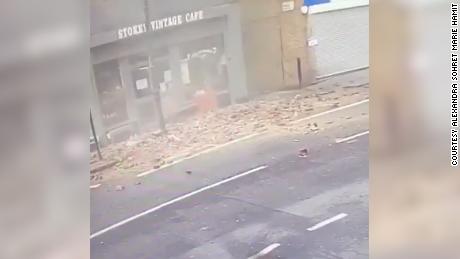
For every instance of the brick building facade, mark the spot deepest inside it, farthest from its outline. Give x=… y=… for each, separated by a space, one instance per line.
x=237 y=48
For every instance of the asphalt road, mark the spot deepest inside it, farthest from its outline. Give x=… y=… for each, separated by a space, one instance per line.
x=250 y=198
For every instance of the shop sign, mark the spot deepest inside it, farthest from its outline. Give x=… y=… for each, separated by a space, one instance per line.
x=160 y=24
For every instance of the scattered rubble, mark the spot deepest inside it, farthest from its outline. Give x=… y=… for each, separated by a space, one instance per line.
x=119 y=188
x=276 y=111
x=303 y=153
x=204 y=228
x=97 y=166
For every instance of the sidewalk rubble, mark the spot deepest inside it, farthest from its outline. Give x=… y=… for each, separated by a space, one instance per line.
x=271 y=112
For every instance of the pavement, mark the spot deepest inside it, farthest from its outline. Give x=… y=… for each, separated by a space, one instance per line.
x=253 y=199
x=204 y=131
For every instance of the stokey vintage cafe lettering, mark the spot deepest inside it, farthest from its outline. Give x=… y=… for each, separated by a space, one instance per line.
x=160 y=24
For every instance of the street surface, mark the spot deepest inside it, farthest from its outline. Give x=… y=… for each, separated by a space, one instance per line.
x=254 y=199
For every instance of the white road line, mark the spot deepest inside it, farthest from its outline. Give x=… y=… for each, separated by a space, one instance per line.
x=180 y=198
x=351 y=137
x=95 y=186
x=332 y=111
x=265 y=251
x=248 y=137
x=199 y=153
x=327 y=222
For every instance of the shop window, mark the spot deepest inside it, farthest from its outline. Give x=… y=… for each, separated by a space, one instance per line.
x=141 y=82
x=206 y=62
x=111 y=94
x=160 y=76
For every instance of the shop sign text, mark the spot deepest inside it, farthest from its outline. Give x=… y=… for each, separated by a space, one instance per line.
x=160 y=24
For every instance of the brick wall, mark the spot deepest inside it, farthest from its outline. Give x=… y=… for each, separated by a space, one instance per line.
x=273 y=40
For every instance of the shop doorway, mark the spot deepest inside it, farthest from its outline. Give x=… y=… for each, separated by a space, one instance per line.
x=144 y=86
x=205 y=63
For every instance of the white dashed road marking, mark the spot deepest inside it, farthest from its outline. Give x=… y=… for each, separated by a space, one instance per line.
x=265 y=251
x=180 y=198
x=95 y=186
x=351 y=137
x=269 y=248
x=251 y=136
x=327 y=222
x=332 y=111
x=199 y=154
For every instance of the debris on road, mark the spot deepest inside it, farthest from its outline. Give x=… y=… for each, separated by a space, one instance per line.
x=273 y=112
x=303 y=153
x=97 y=165
x=119 y=188
x=188 y=172
x=204 y=228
